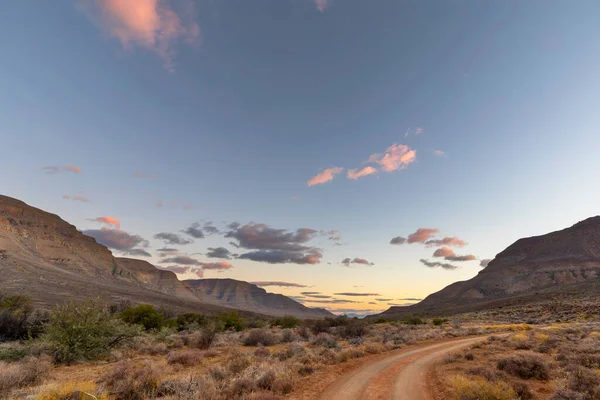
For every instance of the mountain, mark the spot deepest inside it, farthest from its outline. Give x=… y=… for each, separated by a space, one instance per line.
x=48 y=259
x=246 y=296
x=562 y=262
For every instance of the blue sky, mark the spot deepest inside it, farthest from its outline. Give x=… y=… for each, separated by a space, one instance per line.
x=226 y=109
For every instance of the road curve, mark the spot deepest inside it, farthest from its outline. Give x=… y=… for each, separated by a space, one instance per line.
x=401 y=376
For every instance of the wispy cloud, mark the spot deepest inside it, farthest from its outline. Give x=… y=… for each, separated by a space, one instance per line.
x=218 y=252
x=322 y=5
x=154 y=25
x=384 y=299
x=221 y=265
x=439 y=153
x=395 y=157
x=76 y=197
x=435 y=264
x=356 y=260
x=355 y=173
x=325 y=176
x=278 y=283
x=447 y=241
x=144 y=175
x=172 y=238
x=55 y=169
x=357 y=294
x=110 y=221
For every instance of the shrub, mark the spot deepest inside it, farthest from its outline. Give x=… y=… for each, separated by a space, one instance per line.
x=287 y=322
x=144 y=315
x=480 y=389
x=439 y=321
x=18 y=319
x=354 y=329
x=190 y=321
x=186 y=358
x=522 y=390
x=325 y=340
x=26 y=373
x=260 y=337
x=412 y=320
x=232 y=321
x=287 y=336
x=201 y=339
x=13 y=352
x=525 y=365
x=132 y=381
x=84 y=331
x=584 y=380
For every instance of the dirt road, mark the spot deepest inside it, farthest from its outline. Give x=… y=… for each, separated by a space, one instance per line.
x=400 y=376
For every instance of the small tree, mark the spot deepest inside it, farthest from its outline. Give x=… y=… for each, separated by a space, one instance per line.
x=18 y=319
x=85 y=331
x=144 y=315
x=232 y=321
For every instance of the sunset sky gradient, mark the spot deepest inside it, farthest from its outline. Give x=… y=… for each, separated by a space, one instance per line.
x=352 y=154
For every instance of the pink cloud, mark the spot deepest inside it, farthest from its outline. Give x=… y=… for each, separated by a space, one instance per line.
x=395 y=157
x=151 y=24
x=325 y=176
x=55 y=169
x=221 y=265
x=110 y=221
x=444 y=252
x=447 y=241
x=73 y=168
x=439 y=153
x=421 y=235
x=321 y=5
x=355 y=173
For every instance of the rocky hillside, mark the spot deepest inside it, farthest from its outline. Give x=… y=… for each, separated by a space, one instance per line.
x=566 y=261
x=47 y=258
x=246 y=296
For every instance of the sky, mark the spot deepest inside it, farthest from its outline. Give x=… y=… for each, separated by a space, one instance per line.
x=352 y=154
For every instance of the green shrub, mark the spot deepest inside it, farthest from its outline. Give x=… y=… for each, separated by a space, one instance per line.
x=439 y=321
x=412 y=320
x=144 y=315
x=190 y=321
x=18 y=319
x=232 y=321
x=287 y=322
x=85 y=331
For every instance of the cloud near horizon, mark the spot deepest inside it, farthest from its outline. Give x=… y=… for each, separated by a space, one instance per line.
x=356 y=260
x=357 y=294
x=108 y=220
x=447 y=241
x=218 y=252
x=398 y=240
x=435 y=264
x=155 y=25
x=354 y=174
x=325 y=176
x=278 y=283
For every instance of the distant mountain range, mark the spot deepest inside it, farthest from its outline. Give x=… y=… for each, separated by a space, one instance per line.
x=50 y=260
x=565 y=262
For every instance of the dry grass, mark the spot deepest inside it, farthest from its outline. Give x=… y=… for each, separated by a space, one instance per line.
x=28 y=372
x=464 y=388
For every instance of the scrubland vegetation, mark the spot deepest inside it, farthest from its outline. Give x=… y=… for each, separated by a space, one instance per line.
x=558 y=362
x=93 y=350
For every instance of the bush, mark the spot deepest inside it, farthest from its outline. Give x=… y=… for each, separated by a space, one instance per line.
x=354 y=329
x=439 y=321
x=585 y=381
x=190 y=321
x=480 y=389
x=26 y=373
x=186 y=358
x=287 y=336
x=144 y=315
x=132 y=381
x=325 y=340
x=85 y=331
x=260 y=337
x=287 y=322
x=232 y=321
x=412 y=320
x=18 y=319
x=525 y=365
x=201 y=339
